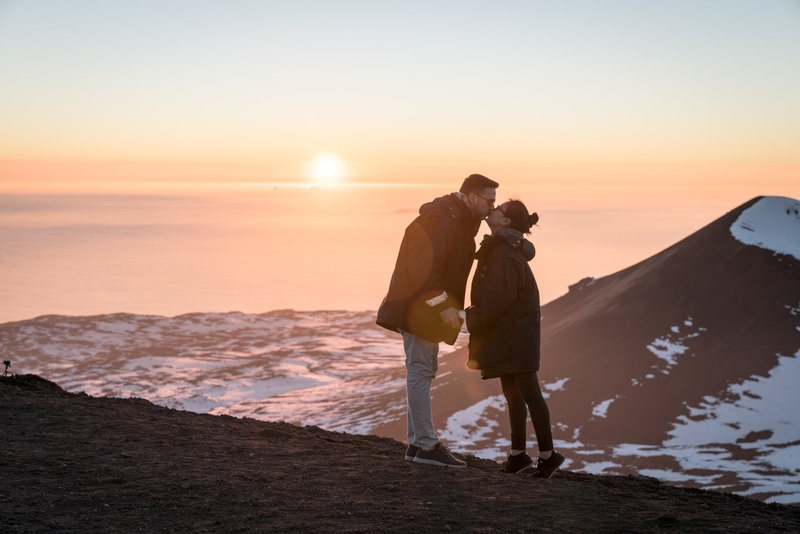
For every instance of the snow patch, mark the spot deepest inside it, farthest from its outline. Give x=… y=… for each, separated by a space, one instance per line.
x=558 y=385
x=668 y=349
x=772 y=223
x=471 y=429
x=601 y=409
x=756 y=404
x=597 y=468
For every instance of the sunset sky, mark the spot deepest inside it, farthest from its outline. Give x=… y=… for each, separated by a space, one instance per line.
x=702 y=93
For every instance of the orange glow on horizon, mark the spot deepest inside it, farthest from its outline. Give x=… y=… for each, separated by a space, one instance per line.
x=35 y=176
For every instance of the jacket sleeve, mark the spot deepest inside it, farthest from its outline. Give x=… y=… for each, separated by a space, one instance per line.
x=495 y=294
x=427 y=255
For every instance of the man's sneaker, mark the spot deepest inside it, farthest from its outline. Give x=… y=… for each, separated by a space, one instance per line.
x=411 y=452
x=517 y=463
x=438 y=455
x=546 y=468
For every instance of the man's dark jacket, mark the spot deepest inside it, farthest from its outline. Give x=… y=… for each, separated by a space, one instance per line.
x=435 y=257
x=504 y=320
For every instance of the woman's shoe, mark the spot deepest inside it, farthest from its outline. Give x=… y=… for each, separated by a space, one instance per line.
x=517 y=463
x=546 y=468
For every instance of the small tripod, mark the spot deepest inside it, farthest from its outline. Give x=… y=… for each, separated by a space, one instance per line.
x=7 y=363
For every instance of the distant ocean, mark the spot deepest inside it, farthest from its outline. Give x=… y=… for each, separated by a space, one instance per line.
x=275 y=246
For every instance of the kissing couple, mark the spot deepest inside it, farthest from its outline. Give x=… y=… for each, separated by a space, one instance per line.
x=425 y=304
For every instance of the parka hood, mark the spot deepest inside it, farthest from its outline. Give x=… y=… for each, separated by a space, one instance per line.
x=444 y=203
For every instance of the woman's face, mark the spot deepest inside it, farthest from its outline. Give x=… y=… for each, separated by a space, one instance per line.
x=497 y=219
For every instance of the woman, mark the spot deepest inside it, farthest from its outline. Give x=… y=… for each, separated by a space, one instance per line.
x=505 y=333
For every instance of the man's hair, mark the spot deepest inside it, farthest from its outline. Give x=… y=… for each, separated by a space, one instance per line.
x=475 y=182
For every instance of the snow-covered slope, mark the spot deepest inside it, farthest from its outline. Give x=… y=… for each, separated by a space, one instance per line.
x=772 y=223
x=299 y=367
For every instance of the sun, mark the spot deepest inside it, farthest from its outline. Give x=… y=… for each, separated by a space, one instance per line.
x=327 y=170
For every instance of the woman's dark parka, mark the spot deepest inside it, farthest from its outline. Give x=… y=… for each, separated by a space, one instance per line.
x=504 y=320
x=435 y=258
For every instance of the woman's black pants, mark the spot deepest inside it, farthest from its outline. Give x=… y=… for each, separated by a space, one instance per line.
x=524 y=395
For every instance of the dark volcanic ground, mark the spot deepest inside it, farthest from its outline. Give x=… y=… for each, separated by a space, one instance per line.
x=75 y=463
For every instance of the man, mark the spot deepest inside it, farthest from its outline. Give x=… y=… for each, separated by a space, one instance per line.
x=425 y=295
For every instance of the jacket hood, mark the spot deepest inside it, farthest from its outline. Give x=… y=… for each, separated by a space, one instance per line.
x=514 y=238
x=433 y=204
x=444 y=202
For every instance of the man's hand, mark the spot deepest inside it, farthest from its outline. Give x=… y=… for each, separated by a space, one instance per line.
x=450 y=318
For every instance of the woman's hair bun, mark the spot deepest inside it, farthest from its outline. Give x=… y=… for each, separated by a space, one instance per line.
x=521 y=220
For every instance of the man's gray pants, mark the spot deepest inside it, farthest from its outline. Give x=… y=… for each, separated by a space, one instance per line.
x=422 y=362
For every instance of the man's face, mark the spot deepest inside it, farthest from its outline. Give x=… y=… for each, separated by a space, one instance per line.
x=482 y=202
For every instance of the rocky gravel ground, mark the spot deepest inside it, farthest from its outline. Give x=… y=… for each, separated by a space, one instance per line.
x=76 y=463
